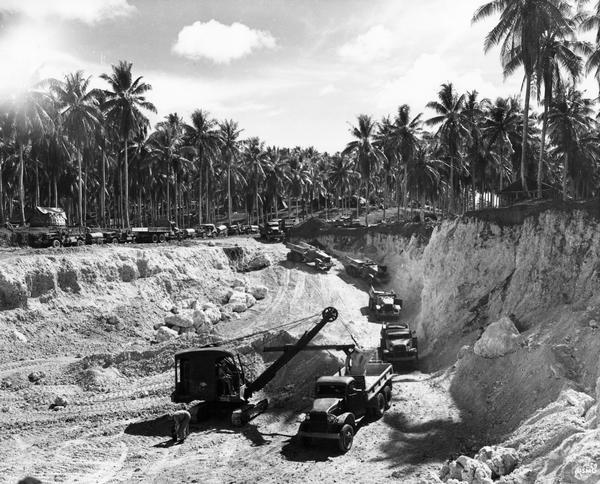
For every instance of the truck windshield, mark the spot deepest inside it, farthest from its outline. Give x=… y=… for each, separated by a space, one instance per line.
x=325 y=390
x=393 y=336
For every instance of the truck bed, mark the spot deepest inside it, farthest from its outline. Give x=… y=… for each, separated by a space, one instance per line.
x=376 y=372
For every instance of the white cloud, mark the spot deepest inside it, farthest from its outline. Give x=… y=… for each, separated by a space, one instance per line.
x=88 y=11
x=328 y=89
x=220 y=43
x=376 y=43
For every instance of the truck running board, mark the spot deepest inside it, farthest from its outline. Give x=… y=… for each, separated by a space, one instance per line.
x=243 y=415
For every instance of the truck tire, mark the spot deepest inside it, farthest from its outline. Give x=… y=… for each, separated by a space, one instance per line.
x=162 y=238
x=379 y=408
x=114 y=240
x=345 y=438
x=56 y=243
x=155 y=238
x=387 y=393
x=80 y=242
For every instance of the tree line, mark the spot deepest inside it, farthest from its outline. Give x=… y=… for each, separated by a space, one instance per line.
x=63 y=143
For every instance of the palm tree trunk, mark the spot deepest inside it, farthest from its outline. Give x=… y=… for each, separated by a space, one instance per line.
x=168 y=208
x=126 y=182
x=103 y=192
x=2 y=218
x=37 y=181
x=229 y=192
x=385 y=191
x=501 y=164
x=21 y=184
x=256 y=194
x=200 y=195
x=367 y=207
x=176 y=204
x=524 y=137
x=542 y=148
x=565 y=172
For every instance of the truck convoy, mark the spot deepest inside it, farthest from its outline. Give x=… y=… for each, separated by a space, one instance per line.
x=343 y=400
x=384 y=305
x=398 y=344
x=303 y=252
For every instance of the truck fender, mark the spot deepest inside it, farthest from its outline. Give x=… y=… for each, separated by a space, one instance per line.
x=346 y=418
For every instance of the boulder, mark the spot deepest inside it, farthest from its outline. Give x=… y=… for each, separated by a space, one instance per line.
x=61 y=401
x=164 y=334
x=237 y=307
x=213 y=314
x=250 y=301
x=183 y=319
x=239 y=288
x=501 y=460
x=258 y=262
x=36 y=376
x=239 y=282
x=128 y=272
x=499 y=339
x=579 y=400
x=158 y=324
x=17 y=336
x=258 y=291
x=467 y=470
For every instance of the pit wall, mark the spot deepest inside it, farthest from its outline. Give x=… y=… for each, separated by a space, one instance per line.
x=543 y=271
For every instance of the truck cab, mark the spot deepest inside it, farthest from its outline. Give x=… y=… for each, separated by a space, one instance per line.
x=271 y=230
x=384 y=304
x=398 y=344
x=343 y=399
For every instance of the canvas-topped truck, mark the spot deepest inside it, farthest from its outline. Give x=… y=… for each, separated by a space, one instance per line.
x=384 y=305
x=303 y=252
x=343 y=400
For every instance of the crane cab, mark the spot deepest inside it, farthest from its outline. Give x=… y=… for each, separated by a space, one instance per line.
x=209 y=375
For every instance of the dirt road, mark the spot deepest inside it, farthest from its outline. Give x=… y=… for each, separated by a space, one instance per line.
x=117 y=432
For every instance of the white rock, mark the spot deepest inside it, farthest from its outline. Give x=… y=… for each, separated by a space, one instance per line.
x=258 y=291
x=239 y=289
x=213 y=315
x=18 y=336
x=200 y=318
x=158 y=324
x=593 y=323
x=470 y=471
x=499 y=339
x=581 y=401
x=250 y=301
x=183 y=319
x=237 y=296
x=258 y=262
x=501 y=460
x=463 y=351
x=239 y=282
x=164 y=334
x=237 y=307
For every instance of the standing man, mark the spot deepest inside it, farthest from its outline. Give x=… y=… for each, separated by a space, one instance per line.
x=181 y=424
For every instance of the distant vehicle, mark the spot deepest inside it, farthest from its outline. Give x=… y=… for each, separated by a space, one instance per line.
x=303 y=252
x=271 y=231
x=207 y=230
x=94 y=236
x=222 y=231
x=161 y=232
x=343 y=400
x=234 y=229
x=398 y=344
x=384 y=304
x=346 y=221
x=365 y=269
x=118 y=236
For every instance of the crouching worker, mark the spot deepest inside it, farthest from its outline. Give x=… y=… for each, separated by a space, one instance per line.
x=181 y=424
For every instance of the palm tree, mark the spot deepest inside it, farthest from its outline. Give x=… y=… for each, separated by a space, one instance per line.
x=277 y=175
x=452 y=127
x=80 y=116
x=475 y=153
x=406 y=133
x=228 y=136
x=123 y=104
x=256 y=164
x=366 y=152
x=520 y=31
x=30 y=114
x=342 y=175
x=203 y=138
x=570 y=118
x=501 y=123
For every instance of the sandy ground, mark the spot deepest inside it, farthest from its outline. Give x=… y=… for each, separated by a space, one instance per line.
x=120 y=434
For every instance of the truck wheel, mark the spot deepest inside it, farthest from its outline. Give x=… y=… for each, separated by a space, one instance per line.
x=387 y=393
x=162 y=238
x=80 y=242
x=379 y=408
x=114 y=240
x=155 y=238
x=56 y=243
x=345 y=438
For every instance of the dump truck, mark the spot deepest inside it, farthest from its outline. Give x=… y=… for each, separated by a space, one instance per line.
x=398 y=344
x=272 y=230
x=213 y=378
x=384 y=305
x=343 y=400
x=303 y=252
x=365 y=269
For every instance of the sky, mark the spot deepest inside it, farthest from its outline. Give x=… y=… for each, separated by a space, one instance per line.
x=293 y=72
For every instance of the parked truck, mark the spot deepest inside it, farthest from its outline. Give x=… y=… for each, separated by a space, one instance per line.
x=343 y=400
x=161 y=232
x=384 y=305
x=273 y=230
x=398 y=344
x=303 y=252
